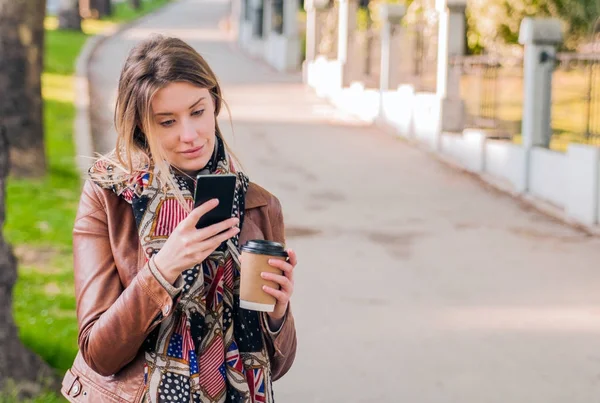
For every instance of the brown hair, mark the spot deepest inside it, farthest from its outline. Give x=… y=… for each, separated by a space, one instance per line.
x=151 y=65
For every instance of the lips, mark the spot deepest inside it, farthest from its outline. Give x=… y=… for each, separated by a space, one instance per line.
x=192 y=150
x=192 y=153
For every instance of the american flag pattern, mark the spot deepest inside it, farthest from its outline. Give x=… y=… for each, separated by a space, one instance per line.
x=170 y=213
x=208 y=350
x=212 y=377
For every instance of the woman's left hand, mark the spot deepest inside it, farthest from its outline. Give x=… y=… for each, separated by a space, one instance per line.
x=286 y=283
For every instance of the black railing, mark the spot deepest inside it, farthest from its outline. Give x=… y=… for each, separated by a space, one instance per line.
x=259 y=25
x=419 y=67
x=492 y=89
x=364 y=49
x=277 y=16
x=576 y=99
x=247 y=10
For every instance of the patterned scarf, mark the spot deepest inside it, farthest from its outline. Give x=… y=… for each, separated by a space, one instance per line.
x=209 y=349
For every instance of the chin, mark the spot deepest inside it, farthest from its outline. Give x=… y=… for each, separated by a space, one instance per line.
x=193 y=166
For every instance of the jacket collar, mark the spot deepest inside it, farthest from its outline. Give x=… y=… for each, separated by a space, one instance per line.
x=255 y=197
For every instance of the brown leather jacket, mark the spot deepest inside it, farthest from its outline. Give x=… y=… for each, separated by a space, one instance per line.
x=118 y=298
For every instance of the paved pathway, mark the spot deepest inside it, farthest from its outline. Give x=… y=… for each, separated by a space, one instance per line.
x=417 y=283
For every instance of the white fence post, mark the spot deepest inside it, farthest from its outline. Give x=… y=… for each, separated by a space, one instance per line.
x=346 y=27
x=391 y=15
x=540 y=38
x=282 y=44
x=312 y=31
x=313 y=9
x=451 y=42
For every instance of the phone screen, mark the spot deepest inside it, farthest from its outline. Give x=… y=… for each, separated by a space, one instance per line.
x=220 y=187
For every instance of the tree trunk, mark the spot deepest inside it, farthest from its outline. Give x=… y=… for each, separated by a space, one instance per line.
x=104 y=7
x=136 y=4
x=69 y=16
x=17 y=363
x=21 y=65
x=95 y=8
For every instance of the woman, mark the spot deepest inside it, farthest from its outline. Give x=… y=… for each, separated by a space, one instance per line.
x=158 y=299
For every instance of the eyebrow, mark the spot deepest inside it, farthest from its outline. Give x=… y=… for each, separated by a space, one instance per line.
x=171 y=113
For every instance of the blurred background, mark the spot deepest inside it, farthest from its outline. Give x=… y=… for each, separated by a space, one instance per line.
x=437 y=161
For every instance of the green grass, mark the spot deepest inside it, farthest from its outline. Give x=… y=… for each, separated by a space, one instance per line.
x=40 y=212
x=43 y=398
x=123 y=12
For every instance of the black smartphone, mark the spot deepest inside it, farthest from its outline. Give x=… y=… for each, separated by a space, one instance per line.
x=220 y=187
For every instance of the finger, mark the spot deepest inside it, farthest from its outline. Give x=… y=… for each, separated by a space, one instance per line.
x=213 y=243
x=285 y=283
x=288 y=269
x=281 y=296
x=212 y=230
x=281 y=265
x=191 y=220
x=293 y=257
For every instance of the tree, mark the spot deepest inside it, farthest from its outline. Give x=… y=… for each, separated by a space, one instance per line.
x=21 y=65
x=21 y=129
x=494 y=25
x=136 y=4
x=95 y=8
x=69 y=16
x=17 y=363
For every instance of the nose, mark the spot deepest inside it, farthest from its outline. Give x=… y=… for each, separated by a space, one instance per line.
x=189 y=133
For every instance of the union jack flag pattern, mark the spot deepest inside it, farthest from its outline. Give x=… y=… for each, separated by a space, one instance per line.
x=256 y=381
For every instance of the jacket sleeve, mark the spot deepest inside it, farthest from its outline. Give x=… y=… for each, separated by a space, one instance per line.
x=281 y=344
x=113 y=320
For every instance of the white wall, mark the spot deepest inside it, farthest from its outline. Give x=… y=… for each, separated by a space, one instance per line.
x=397 y=110
x=325 y=76
x=245 y=33
x=467 y=149
x=426 y=118
x=357 y=101
x=254 y=46
x=506 y=161
x=548 y=174
x=582 y=183
x=282 y=53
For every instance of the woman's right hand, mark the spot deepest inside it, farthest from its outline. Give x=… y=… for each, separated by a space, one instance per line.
x=188 y=246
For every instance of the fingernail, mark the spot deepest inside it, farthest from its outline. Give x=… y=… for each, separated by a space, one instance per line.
x=215 y=201
x=265 y=287
x=263 y=274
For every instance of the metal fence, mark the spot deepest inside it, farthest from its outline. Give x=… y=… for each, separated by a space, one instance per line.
x=576 y=99
x=277 y=16
x=418 y=42
x=327 y=25
x=365 y=49
x=492 y=89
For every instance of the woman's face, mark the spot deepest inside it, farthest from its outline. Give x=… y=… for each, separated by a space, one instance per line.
x=184 y=119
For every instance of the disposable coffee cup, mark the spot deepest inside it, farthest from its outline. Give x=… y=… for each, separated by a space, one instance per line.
x=255 y=260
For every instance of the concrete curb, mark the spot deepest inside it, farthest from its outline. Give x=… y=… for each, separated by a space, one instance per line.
x=82 y=127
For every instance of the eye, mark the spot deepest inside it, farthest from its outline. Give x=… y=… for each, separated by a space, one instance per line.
x=198 y=112
x=167 y=123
